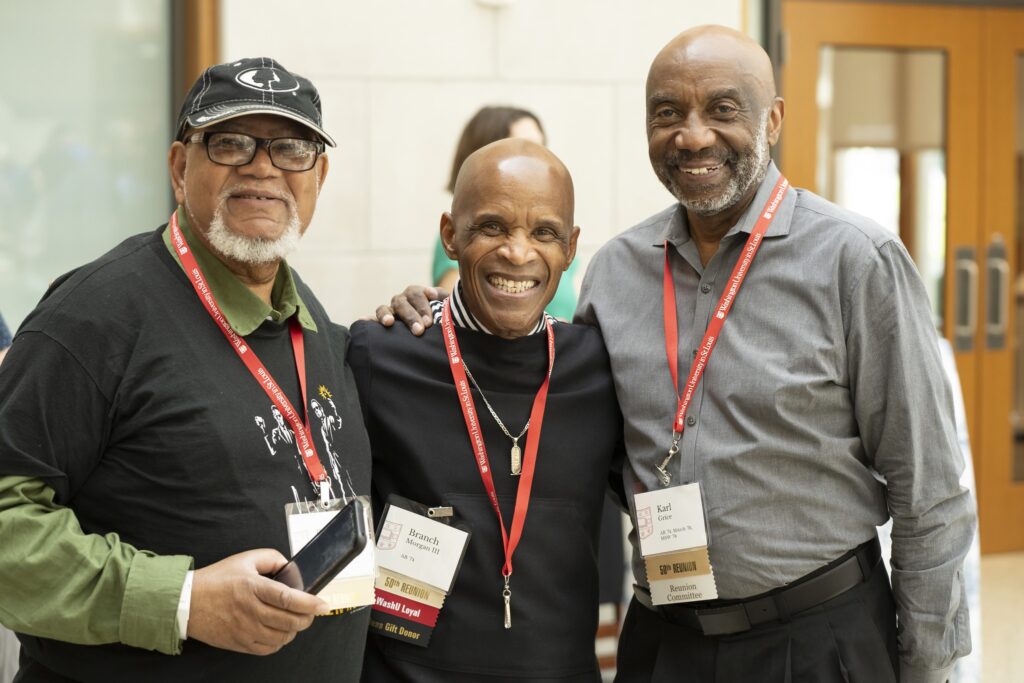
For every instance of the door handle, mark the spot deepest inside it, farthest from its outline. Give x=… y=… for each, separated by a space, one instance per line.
x=997 y=294
x=965 y=310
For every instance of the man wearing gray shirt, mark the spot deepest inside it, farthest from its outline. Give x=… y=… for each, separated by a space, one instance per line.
x=823 y=410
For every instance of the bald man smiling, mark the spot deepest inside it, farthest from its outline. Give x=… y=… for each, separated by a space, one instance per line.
x=500 y=407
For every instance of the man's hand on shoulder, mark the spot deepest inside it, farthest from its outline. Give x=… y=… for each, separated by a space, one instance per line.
x=412 y=307
x=236 y=607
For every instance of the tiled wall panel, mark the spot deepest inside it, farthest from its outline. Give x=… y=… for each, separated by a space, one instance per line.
x=399 y=79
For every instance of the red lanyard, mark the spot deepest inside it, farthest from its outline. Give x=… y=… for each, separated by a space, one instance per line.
x=721 y=310
x=300 y=427
x=476 y=439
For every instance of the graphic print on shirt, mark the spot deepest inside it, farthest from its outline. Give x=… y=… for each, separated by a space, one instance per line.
x=330 y=424
x=325 y=419
x=280 y=434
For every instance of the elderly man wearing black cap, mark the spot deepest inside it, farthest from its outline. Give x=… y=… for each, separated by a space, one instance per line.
x=138 y=501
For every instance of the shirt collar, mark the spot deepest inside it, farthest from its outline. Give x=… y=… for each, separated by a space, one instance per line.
x=465 y=319
x=678 y=231
x=244 y=310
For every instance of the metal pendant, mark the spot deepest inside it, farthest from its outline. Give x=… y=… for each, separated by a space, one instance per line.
x=517 y=458
x=507 y=596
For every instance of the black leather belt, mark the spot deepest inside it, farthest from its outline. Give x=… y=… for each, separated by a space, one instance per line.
x=819 y=586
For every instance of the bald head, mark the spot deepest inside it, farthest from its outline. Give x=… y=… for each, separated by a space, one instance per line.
x=723 y=47
x=509 y=159
x=511 y=231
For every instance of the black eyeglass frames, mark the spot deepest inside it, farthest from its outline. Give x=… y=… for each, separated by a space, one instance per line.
x=238 y=149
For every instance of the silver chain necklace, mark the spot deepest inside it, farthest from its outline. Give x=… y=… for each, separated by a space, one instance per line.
x=516 y=453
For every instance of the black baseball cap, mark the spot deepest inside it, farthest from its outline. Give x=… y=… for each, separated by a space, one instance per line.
x=254 y=85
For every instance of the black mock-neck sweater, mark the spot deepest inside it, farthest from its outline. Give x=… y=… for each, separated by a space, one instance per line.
x=421 y=451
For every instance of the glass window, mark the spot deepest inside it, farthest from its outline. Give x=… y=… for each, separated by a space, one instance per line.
x=86 y=120
x=882 y=147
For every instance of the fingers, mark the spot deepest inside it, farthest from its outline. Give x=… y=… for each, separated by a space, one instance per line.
x=278 y=616
x=410 y=314
x=235 y=608
x=412 y=307
x=282 y=597
x=281 y=621
x=419 y=298
x=264 y=560
x=265 y=641
x=385 y=316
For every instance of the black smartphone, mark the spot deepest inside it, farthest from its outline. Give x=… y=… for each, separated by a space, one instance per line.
x=331 y=550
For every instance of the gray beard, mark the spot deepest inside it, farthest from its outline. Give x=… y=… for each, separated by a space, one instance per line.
x=750 y=170
x=251 y=250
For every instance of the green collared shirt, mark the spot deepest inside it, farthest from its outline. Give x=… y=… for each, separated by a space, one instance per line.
x=98 y=589
x=243 y=309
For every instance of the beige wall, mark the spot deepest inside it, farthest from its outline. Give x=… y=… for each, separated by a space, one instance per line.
x=399 y=79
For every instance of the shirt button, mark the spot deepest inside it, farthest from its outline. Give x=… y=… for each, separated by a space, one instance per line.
x=691 y=420
x=705 y=288
x=695 y=353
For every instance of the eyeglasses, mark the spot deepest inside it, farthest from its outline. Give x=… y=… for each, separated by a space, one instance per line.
x=239 y=149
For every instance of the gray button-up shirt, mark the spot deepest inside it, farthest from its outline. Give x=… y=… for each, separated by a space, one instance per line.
x=823 y=409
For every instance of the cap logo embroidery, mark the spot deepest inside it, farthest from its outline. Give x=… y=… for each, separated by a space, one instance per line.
x=267 y=80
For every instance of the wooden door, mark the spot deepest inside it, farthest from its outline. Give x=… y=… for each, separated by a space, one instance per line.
x=978 y=53
x=999 y=426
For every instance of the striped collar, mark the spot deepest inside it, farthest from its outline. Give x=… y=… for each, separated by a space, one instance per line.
x=463 y=318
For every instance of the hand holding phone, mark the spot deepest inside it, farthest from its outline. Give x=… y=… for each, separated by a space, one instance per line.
x=236 y=607
x=330 y=551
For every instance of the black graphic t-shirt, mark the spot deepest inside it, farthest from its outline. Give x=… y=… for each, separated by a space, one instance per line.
x=145 y=422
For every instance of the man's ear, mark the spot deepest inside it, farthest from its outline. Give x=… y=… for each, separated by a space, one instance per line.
x=176 y=167
x=572 y=246
x=448 y=235
x=778 y=112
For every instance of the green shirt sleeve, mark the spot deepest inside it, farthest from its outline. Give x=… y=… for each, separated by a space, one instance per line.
x=62 y=583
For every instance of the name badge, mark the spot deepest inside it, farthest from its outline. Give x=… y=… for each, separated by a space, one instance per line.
x=353 y=587
x=674 y=543
x=420 y=548
x=684 y=576
x=419 y=559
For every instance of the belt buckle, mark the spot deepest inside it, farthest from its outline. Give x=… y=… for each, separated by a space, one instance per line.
x=723 y=621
